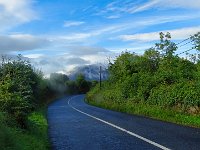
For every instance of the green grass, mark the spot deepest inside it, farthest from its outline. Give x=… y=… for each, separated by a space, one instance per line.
x=34 y=138
x=143 y=109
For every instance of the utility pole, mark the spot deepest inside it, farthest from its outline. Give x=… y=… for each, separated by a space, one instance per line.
x=100 y=77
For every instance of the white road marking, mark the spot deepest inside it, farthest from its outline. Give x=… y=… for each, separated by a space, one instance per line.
x=117 y=127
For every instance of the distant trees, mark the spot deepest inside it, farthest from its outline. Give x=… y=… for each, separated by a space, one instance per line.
x=79 y=86
x=58 y=82
x=61 y=84
x=82 y=85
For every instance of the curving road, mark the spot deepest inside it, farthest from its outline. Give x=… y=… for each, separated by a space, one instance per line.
x=74 y=125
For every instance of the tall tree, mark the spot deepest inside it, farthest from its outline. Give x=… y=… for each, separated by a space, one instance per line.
x=166 y=46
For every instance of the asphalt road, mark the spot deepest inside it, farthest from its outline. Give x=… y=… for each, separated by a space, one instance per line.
x=74 y=125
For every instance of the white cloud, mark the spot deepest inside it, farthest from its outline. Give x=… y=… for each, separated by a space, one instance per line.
x=93 y=34
x=64 y=59
x=98 y=59
x=144 y=6
x=86 y=50
x=137 y=48
x=84 y=37
x=66 y=62
x=118 y=6
x=142 y=37
x=72 y=37
x=113 y=17
x=177 y=34
x=192 y=4
x=33 y=55
x=73 y=23
x=15 y=12
x=80 y=50
x=21 y=42
x=132 y=7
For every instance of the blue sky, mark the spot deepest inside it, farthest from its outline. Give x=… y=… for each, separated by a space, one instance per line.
x=57 y=35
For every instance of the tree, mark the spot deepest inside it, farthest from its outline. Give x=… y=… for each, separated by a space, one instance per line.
x=196 y=40
x=82 y=85
x=17 y=85
x=166 y=47
x=58 y=82
x=122 y=67
x=72 y=87
x=59 y=77
x=154 y=58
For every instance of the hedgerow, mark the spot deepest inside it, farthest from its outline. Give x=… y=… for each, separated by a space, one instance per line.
x=159 y=77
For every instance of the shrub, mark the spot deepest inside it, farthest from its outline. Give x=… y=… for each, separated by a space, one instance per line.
x=184 y=93
x=18 y=89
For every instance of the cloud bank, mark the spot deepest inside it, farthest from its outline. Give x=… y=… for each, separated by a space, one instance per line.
x=21 y=42
x=177 y=34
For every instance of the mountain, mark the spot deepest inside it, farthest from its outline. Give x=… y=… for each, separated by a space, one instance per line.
x=91 y=72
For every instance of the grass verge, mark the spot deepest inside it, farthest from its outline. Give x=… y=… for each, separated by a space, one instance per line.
x=35 y=137
x=143 y=109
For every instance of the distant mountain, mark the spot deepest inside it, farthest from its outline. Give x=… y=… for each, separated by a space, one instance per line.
x=91 y=72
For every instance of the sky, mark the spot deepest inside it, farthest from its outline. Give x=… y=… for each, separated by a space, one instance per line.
x=58 y=35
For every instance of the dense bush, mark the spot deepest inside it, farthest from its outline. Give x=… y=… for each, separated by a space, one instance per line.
x=22 y=89
x=183 y=93
x=158 y=77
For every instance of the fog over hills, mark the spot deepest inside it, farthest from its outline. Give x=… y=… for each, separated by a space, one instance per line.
x=91 y=72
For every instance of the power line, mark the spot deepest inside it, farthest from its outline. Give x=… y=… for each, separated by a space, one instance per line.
x=183 y=41
x=192 y=40
x=186 y=43
x=100 y=70
x=186 y=51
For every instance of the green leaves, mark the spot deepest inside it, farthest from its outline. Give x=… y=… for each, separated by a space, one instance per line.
x=196 y=41
x=166 y=47
x=18 y=82
x=158 y=77
x=185 y=94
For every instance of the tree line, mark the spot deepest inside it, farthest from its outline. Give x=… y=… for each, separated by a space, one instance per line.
x=61 y=84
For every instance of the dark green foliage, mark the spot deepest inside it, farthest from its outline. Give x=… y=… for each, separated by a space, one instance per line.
x=22 y=89
x=196 y=39
x=185 y=94
x=158 y=78
x=61 y=84
x=153 y=57
x=72 y=87
x=18 y=83
x=34 y=137
x=166 y=47
x=80 y=85
x=175 y=69
x=94 y=83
